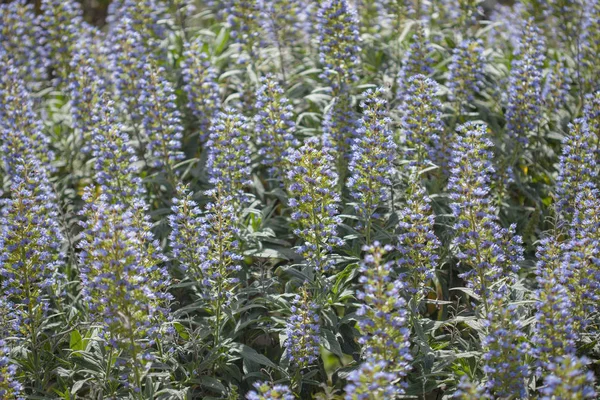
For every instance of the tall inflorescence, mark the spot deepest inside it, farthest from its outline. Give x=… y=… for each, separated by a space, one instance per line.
x=269 y=391
x=505 y=349
x=338 y=38
x=62 y=25
x=372 y=156
x=86 y=87
x=524 y=102
x=229 y=164
x=20 y=127
x=569 y=378
x=302 y=332
x=557 y=86
x=276 y=126
x=243 y=20
x=577 y=167
x=145 y=17
x=19 y=37
x=124 y=278
x=415 y=61
x=417 y=242
x=114 y=158
x=421 y=126
x=314 y=201
x=489 y=252
x=555 y=329
x=383 y=327
x=30 y=242
x=462 y=12
x=466 y=72
x=161 y=121
x=591 y=113
x=200 y=85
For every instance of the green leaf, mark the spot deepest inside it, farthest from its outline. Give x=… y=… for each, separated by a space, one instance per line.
x=76 y=341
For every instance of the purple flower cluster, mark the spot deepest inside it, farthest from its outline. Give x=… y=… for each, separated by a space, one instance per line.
x=492 y=253
x=466 y=71
x=314 y=200
x=302 y=332
x=372 y=155
x=269 y=391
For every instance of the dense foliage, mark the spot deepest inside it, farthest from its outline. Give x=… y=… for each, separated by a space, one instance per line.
x=300 y=199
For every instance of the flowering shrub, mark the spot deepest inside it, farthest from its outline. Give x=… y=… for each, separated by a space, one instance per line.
x=294 y=199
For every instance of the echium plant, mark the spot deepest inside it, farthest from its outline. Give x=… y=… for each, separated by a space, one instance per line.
x=489 y=252
x=417 y=242
x=557 y=85
x=124 y=282
x=524 y=102
x=19 y=37
x=86 y=86
x=372 y=156
x=591 y=113
x=577 y=167
x=338 y=38
x=200 y=85
x=243 y=20
x=569 y=379
x=383 y=326
x=555 y=328
x=145 y=17
x=416 y=60
x=61 y=26
x=314 y=201
x=421 y=126
x=466 y=72
x=114 y=158
x=161 y=121
x=276 y=126
x=505 y=350
x=18 y=120
x=269 y=391
x=302 y=333
x=228 y=163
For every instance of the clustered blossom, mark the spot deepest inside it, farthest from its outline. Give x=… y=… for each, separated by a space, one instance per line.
x=86 y=87
x=371 y=161
x=10 y=388
x=144 y=16
x=243 y=20
x=122 y=273
x=206 y=244
x=491 y=252
x=62 y=25
x=114 y=158
x=505 y=349
x=338 y=38
x=19 y=36
x=524 y=103
x=554 y=330
x=269 y=391
x=275 y=124
x=462 y=12
x=200 y=85
x=421 y=125
x=314 y=200
x=417 y=242
x=21 y=131
x=383 y=327
x=466 y=71
x=160 y=119
x=577 y=166
x=229 y=164
x=569 y=379
x=302 y=332
x=417 y=60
